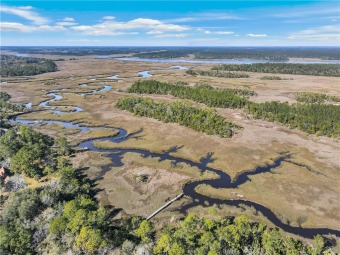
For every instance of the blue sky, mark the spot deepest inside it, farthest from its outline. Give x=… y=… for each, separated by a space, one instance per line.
x=170 y=23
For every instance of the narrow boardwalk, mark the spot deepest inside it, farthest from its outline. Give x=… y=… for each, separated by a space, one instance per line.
x=164 y=206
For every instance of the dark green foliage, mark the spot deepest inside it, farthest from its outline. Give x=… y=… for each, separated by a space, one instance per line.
x=8 y=109
x=4 y=96
x=163 y=54
x=312 y=118
x=263 y=53
x=32 y=215
x=203 y=120
x=22 y=66
x=310 y=97
x=285 y=68
x=30 y=152
x=224 y=98
x=238 y=235
x=78 y=51
x=271 y=77
x=217 y=74
x=266 y=53
x=64 y=148
x=14 y=239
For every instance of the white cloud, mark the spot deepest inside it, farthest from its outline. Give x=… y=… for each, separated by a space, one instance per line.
x=224 y=33
x=68 y=19
x=257 y=35
x=305 y=12
x=108 y=18
x=206 y=16
x=171 y=36
x=215 y=32
x=66 y=23
x=82 y=40
x=25 y=12
x=116 y=28
x=154 y=32
x=324 y=33
x=19 y=27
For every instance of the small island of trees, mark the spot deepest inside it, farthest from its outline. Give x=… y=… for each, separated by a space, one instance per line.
x=25 y=66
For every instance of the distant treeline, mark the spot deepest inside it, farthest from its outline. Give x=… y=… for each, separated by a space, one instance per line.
x=317 y=119
x=203 y=120
x=164 y=54
x=217 y=74
x=310 y=97
x=78 y=51
x=264 y=53
x=25 y=66
x=285 y=68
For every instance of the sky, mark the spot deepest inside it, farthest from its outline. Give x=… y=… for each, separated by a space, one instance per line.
x=170 y=23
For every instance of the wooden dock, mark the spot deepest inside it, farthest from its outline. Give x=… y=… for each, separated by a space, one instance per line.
x=164 y=206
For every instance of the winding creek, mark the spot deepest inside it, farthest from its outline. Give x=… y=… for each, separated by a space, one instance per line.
x=189 y=189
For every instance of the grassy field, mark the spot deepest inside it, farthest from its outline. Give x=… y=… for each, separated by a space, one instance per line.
x=297 y=194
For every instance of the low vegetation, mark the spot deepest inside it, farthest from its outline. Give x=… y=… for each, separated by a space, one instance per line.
x=25 y=66
x=312 y=118
x=271 y=77
x=310 y=97
x=203 y=120
x=217 y=74
x=285 y=68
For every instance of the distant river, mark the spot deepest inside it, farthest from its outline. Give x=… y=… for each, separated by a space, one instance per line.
x=219 y=61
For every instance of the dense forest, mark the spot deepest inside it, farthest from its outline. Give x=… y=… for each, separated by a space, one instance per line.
x=224 y=98
x=164 y=54
x=56 y=218
x=217 y=74
x=310 y=97
x=320 y=119
x=264 y=53
x=285 y=68
x=203 y=120
x=29 y=152
x=8 y=109
x=25 y=66
x=78 y=51
x=311 y=118
x=62 y=216
x=201 y=236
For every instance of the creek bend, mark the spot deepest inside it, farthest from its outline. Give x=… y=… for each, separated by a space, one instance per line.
x=189 y=189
